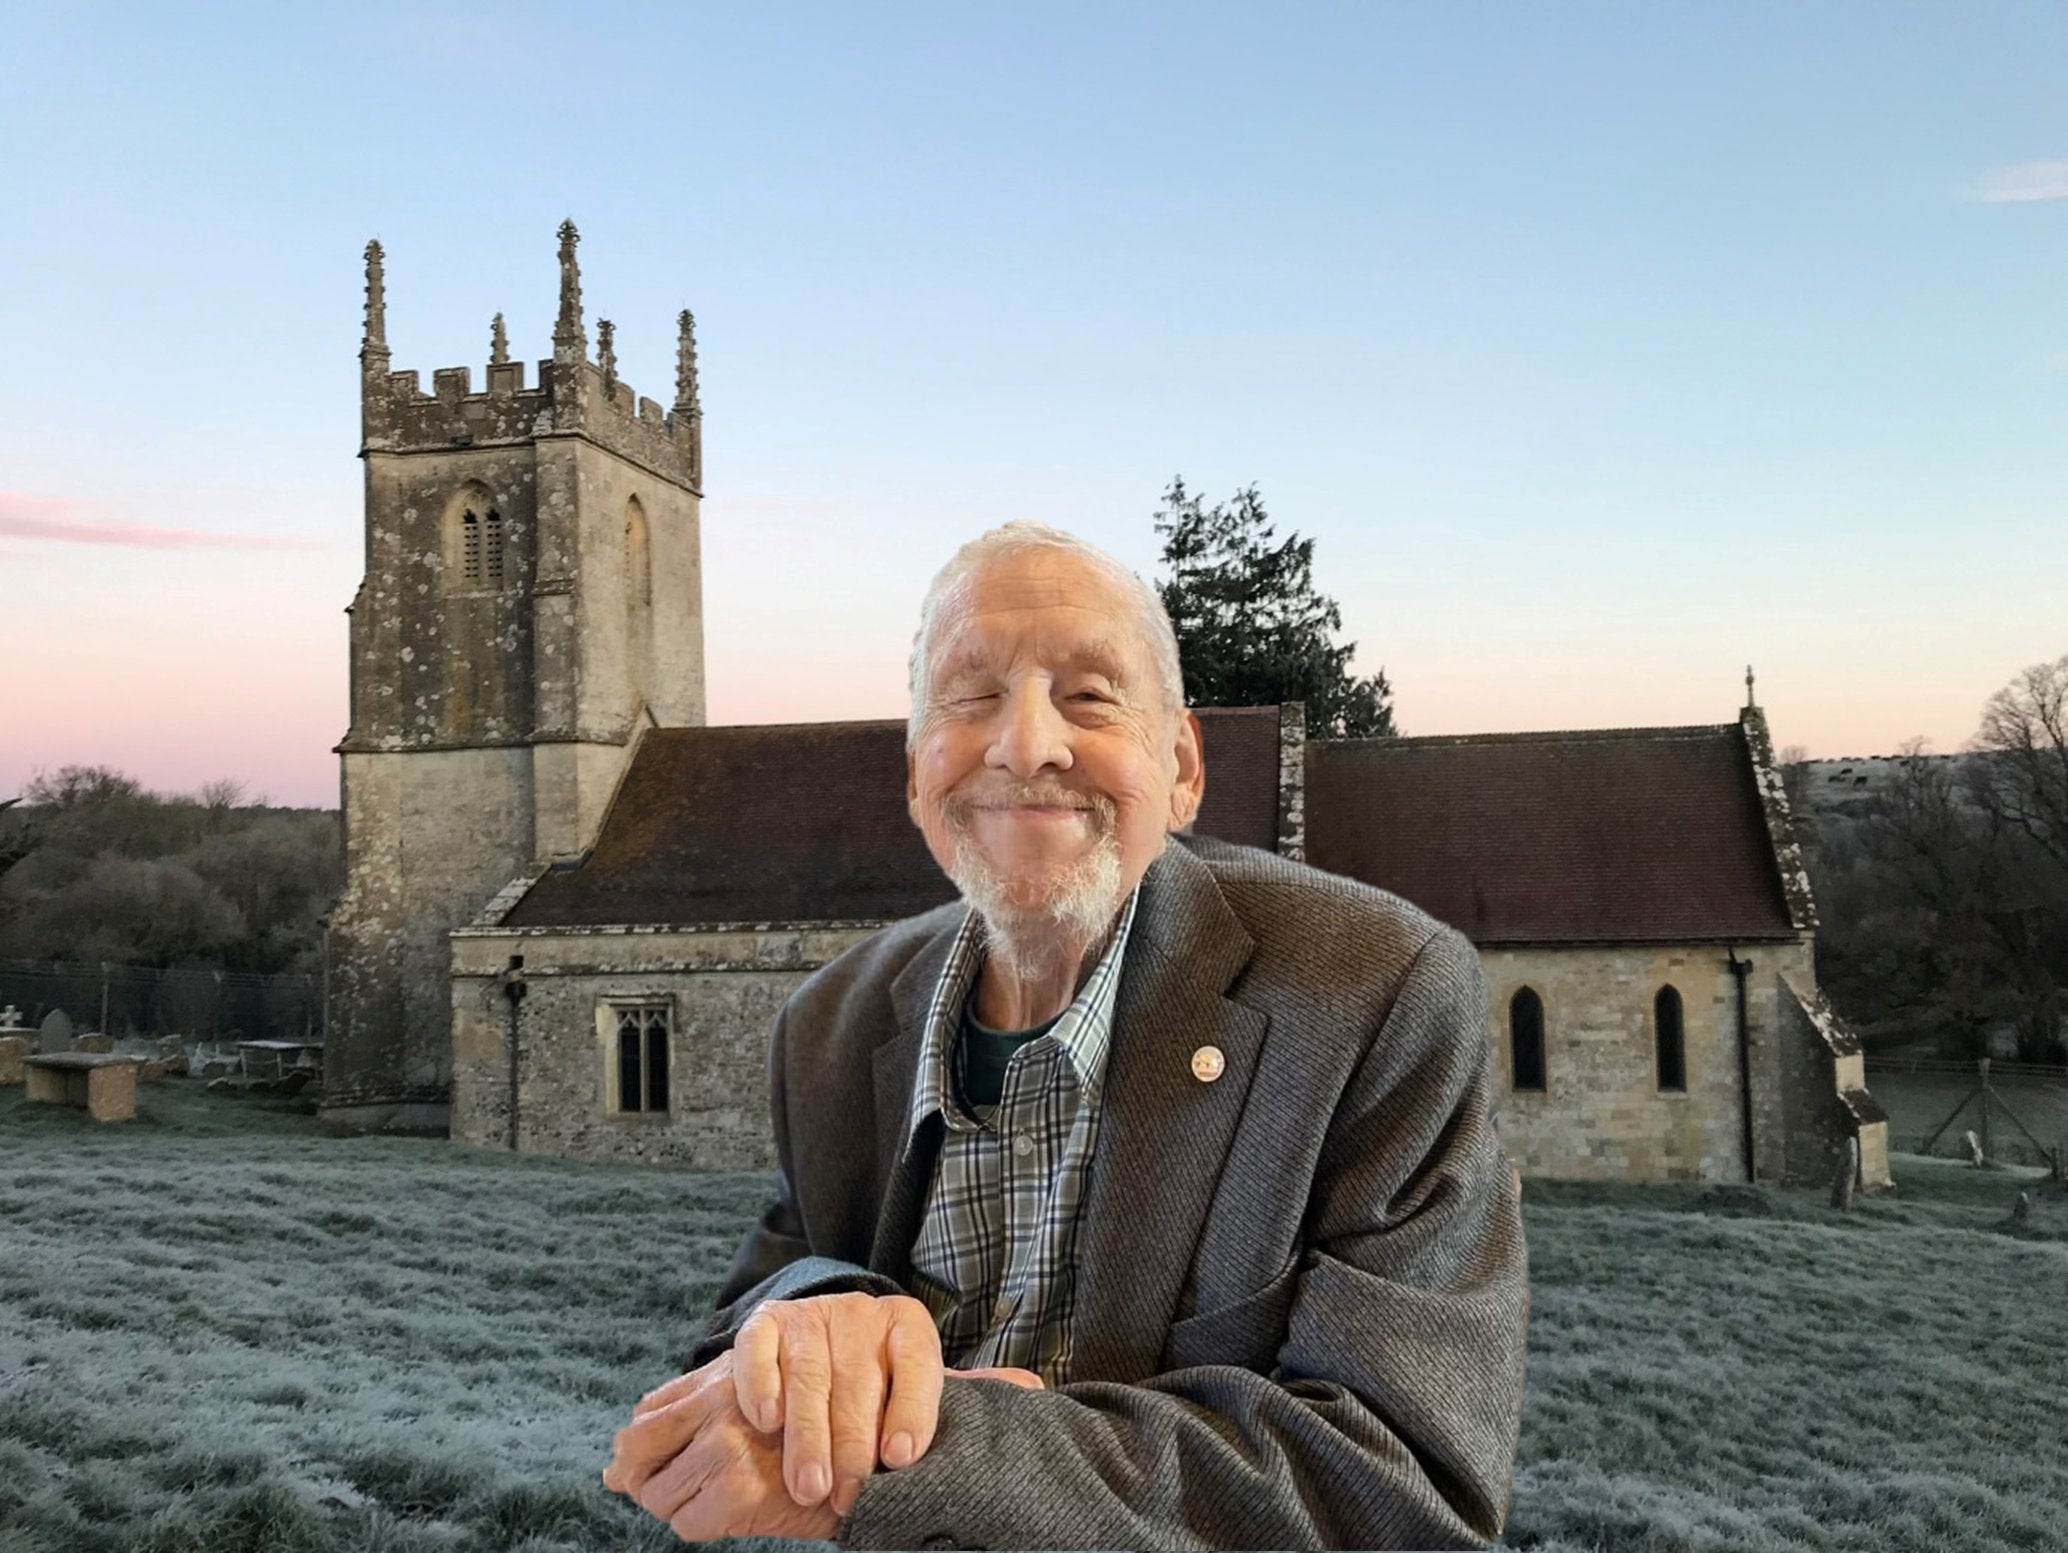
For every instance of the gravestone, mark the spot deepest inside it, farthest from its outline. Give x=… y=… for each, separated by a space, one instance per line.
x=14 y=1049
x=10 y=1018
x=2021 y=1210
x=1974 y=1149
x=93 y=1041
x=54 y=1035
x=1847 y=1176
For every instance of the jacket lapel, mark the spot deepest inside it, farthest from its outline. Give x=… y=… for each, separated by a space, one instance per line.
x=902 y=1180
x=1164 y=1134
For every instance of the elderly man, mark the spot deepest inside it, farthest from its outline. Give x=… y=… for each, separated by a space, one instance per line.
x=1147 y=1198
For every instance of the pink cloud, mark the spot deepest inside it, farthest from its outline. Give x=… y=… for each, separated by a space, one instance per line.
x=61 y=522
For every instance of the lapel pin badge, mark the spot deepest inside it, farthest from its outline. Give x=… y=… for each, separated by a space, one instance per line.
x=1207 y=1064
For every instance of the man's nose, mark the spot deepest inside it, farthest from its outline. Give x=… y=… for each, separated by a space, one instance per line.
x=1031 y=734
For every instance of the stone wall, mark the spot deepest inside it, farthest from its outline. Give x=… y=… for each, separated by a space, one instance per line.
x=429 y=837
x=1822 y=1063
x=438 y=662
x=634 y=649
x=1601 y=1115
x=723 y=987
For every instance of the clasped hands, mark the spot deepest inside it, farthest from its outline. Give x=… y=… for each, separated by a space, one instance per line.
x=774 y=1438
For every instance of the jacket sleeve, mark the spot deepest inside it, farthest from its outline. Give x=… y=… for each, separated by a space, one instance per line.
x=775 y=1261
x=1390 y=1416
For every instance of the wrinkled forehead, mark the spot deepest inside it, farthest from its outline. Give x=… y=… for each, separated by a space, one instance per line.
x=1049 y=607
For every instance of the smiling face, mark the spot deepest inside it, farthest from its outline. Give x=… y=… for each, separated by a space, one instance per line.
x=1047 y=768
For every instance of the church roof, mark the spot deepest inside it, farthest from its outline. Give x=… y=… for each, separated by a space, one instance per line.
x=806 y=822
x=1612 y=835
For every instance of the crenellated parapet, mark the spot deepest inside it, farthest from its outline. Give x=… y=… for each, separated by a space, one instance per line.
x=572 y=396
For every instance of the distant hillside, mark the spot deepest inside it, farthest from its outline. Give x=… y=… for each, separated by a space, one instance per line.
x=1844 y=787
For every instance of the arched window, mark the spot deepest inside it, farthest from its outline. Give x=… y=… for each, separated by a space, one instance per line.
x=474 y=548
x=638 y=558
x=1526 y=1040
x=1668 y=1036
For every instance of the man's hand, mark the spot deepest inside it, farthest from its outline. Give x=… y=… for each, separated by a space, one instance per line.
x=690 y=1458
x=821 y=1370
x=851 y=1379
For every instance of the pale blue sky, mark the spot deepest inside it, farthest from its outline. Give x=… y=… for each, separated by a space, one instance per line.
x=1603 y=348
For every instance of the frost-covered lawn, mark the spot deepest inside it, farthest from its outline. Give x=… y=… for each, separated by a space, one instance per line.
x=221 y=1331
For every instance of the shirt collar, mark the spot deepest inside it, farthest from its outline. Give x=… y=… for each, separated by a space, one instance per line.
x=1084 y=1031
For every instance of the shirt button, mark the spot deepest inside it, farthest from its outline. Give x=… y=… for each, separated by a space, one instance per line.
x=1023 y=1145
x=1002 y=1309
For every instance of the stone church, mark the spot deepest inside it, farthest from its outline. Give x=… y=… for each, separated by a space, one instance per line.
x=572 y=909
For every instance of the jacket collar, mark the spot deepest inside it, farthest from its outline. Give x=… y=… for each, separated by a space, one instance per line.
x=1163 y=1134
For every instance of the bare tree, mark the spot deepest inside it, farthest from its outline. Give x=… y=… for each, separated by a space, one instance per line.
x=217 y=799
x=2023 y=775
x=1947 y=896
x=73 y=787
x=2019 y=779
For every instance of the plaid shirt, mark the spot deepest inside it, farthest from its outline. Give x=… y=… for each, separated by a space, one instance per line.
x=996 y=1256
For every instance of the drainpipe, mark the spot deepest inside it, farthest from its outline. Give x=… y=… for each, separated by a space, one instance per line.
x=513 y=989
x=1741 y=969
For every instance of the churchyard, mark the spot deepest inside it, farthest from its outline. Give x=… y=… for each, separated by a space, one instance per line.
x=222 y=1331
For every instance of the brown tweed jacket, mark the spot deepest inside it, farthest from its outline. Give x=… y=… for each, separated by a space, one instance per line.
x=1302 y=1288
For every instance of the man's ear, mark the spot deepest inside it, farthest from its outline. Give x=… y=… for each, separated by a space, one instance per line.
x=911 y=787
x=1189 y=790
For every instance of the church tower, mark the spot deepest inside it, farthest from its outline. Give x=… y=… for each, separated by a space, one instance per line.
x=533 y=599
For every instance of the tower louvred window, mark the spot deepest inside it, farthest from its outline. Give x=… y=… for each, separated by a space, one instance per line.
x=492 y=549
x=470 y=547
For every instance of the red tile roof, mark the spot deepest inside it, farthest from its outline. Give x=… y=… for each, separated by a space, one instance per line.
x=806 y=822
x=1617 y=835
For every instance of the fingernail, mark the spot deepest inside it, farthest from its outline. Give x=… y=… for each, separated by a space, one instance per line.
x=898 y=1453
x=767 y=1416
x=844 y=1496
x=812 y=1484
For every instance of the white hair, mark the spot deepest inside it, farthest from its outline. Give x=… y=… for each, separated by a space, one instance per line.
x=952 y=583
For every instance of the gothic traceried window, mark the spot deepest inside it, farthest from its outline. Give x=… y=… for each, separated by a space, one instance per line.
x=641 y=1054
x=1526 y=1040
x=1670 y=1039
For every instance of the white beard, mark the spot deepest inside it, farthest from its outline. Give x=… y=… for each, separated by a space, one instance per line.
x=1028 y=937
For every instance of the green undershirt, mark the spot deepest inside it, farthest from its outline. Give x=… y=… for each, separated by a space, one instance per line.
x=985 y=1052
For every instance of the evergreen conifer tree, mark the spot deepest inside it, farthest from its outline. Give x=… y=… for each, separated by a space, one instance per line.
x=1251 y=629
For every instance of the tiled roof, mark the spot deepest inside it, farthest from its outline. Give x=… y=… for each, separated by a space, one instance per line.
x=806 y=822
x=1617 y=835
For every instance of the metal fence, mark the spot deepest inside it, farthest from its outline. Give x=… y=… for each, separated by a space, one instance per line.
x=126 y=1000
